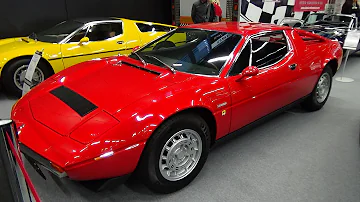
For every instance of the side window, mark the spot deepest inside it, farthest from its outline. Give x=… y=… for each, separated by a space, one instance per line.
x=268 y=49
x=152 y=28
x=104 y=31
x=242 y=62
x=79 y=35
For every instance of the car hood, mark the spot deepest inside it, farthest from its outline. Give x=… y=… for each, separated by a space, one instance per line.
x=17 y=44
x=94 y=90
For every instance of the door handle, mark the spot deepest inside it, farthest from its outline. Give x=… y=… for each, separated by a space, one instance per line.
x=120 y=42
x=293 y=66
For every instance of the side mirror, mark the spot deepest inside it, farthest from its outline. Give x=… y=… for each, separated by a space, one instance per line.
x=135 y=48
x=84 y=40
x=248 y=71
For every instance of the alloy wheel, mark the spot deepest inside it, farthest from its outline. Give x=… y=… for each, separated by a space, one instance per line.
x=180 y=155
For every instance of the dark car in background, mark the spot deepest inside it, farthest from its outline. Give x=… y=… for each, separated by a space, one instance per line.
x=332 y=26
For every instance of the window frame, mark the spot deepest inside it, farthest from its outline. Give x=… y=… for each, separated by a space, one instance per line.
x=77 y=31
x=249 y=40
x=88 y=25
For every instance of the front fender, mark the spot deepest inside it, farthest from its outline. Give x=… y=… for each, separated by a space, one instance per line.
x=27 y=50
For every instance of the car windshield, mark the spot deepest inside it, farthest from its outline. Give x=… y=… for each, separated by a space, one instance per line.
x=324 y=19
x=190 y=50
x=57 y=33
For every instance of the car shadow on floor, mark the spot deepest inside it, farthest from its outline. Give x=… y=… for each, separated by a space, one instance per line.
x=3 y=96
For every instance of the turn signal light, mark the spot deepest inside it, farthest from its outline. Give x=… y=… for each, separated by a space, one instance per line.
x=57 y=168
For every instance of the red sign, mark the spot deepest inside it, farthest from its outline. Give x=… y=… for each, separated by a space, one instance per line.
x=309 y=5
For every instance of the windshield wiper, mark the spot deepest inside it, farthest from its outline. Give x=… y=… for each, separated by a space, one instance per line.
x=166 y=65
x=141 y=59
x=34 y=36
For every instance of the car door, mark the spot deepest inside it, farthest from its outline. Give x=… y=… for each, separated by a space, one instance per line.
x=272 y=88
x=104 y=39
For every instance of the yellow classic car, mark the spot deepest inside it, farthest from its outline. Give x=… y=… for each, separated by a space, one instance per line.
x=69 y=43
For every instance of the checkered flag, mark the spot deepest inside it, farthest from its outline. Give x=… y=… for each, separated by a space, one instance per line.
x=267 y=11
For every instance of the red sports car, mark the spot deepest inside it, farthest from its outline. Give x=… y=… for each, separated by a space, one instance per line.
x=159 y=111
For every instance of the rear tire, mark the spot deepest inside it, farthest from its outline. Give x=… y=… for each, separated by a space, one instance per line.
x=181 y=142
x=14 y=73
x=318 y=97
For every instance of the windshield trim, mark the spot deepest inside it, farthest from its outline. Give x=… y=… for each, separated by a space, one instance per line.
x=225 y=63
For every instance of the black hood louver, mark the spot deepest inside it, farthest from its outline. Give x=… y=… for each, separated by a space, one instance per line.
x=78 y=103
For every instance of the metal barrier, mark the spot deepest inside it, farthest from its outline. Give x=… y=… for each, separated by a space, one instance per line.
x=15 y=184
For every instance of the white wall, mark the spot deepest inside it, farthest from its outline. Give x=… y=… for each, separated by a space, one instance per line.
x=186 y=5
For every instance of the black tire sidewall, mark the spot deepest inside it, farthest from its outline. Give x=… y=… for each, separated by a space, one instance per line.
x=156 y=181
x=311 y=103
x=10 y=69
x=320 y=104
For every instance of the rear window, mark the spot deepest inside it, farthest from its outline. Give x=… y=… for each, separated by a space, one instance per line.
x=152 y=28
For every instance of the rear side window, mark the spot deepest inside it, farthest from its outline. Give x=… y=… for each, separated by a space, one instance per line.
x=152 y=28
x=268 y=49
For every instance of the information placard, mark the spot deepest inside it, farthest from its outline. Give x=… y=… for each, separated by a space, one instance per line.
x=30 y=72
x=352 y=40
x=309 y=5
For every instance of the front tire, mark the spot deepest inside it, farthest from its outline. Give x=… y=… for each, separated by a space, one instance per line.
x=318 y=97
x=13 y=75
x=175 y=153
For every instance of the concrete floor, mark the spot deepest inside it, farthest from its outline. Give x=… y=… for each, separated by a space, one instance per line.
x=296 y=156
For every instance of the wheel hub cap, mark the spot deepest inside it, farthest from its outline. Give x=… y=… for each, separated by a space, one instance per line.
x=323 y=87
x=19 y=76
x=180 y=155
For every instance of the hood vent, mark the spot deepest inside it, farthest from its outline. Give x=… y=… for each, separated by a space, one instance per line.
x=78 y=103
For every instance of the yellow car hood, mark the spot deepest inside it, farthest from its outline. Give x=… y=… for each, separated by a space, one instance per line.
x=11 y=44
x=6 y=41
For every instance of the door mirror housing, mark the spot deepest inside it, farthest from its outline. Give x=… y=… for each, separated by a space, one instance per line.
x=135 y=48
x=84 y=40
x=248 y=71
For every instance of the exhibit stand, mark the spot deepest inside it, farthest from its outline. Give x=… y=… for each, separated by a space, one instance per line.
x=15 y=183
x=350 y=44
x=30 y=72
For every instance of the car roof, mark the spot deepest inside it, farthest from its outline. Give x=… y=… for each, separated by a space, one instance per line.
x=87 y=20
x=243 y=28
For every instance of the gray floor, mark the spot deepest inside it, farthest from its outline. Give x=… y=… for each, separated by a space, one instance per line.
x=296 y=156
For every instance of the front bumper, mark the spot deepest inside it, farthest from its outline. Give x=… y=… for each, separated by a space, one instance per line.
x=39 y=160
x=80 y=162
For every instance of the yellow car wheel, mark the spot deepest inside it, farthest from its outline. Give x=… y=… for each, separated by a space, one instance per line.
x=13 y=75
